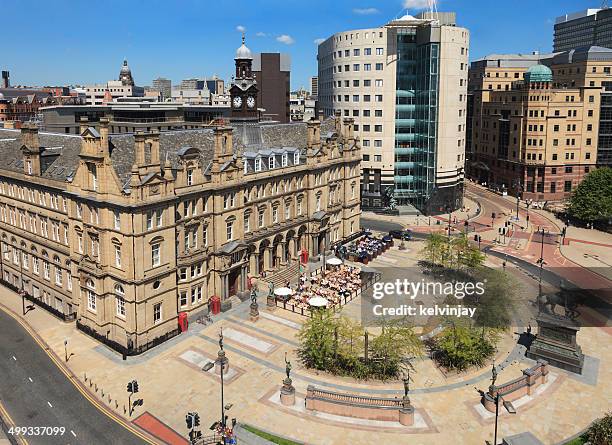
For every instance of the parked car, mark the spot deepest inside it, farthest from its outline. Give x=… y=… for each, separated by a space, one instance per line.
x=401 y=234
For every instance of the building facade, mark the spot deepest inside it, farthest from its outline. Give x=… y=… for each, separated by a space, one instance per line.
x=539 y=128
x=590 y=27
x=272 y=73
x=124 y=87
x=164 y=86
x=124 y=232
x=405 y=84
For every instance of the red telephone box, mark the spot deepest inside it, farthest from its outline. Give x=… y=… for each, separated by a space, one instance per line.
x=304 y=256
x=183 y=321
x=215 y=305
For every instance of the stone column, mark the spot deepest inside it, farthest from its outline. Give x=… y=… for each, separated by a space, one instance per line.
x=282 y=247
x=254 y=263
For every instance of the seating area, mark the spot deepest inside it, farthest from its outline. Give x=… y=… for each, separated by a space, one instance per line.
x=368 y=247
x=336 y=287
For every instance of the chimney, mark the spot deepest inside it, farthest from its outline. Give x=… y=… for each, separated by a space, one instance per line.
x=314 y=133
x=338 y=122
x=83 y=124
x=31 y=148
x=139 y=148
x=5 y=79
x=223 y=143
x=154 y=140
x=348 y=128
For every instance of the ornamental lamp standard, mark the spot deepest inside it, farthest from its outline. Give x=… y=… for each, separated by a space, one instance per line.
x=508 y=406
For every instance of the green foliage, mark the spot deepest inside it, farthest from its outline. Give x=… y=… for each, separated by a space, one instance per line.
x=337 y=345
x=461 y=345
x=495 y=306
x=592 y=200
x=270 y=437
x=600 y=431
x=451 y=253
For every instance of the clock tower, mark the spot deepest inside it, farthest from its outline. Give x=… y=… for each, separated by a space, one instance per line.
x=243 y=91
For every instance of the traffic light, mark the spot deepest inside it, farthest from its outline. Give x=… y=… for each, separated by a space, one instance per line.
x=196 y=419
x=475 y=237
x=189 y=420
x=132 y=386
x=493 y=215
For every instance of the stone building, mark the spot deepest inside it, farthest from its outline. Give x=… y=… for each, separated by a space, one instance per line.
x=540 y=123
x=124 y=232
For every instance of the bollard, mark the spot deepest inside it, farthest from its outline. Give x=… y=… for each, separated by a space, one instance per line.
x=85 y=376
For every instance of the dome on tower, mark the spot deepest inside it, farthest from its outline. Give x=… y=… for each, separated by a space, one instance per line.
x=539 y=73
x=243 y=52
x=125 y=68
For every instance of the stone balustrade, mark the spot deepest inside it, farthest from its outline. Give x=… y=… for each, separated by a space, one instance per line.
x=519 y=387
x=358 y=406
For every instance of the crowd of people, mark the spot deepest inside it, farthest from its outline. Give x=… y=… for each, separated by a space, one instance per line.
x=367 y=248
x=338 y=283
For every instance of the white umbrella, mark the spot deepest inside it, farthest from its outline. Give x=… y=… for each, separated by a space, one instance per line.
x=334 y=261
x=318 y=302
x=282 y=291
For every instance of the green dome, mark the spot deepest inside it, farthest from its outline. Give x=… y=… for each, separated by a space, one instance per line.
x=539 y=73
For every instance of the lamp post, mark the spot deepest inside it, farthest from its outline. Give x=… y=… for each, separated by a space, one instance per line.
x=541 y=259
x=207 y=368
x=449 y=209
x=66 y=350
x=507 y=405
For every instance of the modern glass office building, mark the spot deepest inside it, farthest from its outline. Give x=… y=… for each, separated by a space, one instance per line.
x=405 y=85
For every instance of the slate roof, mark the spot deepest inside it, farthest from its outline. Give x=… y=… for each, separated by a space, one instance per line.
x=61 y=161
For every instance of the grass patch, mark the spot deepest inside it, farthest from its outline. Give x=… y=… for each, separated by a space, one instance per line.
x=271 y=437
x=581 y=440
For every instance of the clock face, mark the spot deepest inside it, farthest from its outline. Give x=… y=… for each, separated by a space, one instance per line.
x=237 y=102
x=250 y=102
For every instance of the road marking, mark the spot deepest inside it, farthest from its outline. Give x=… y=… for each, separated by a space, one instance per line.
x=30 y=379
x=14 y=358
x=73 y=433
x=49 y=403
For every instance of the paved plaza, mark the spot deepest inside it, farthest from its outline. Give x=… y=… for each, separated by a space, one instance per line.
x=173 y=383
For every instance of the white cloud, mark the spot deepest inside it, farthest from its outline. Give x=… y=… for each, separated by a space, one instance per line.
x=319 y=41
x=365 y=11
x=240 y=28
x=261 y=34
x=286 y=39
x=416 y=4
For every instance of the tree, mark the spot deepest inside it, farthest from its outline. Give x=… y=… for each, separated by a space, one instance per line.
x=317 y=340
x=460 y=346
x=396 y=343
x=591 y=201
x=436 y=249
x=600 y=432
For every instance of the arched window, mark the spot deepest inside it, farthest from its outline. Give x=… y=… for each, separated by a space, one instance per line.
x=120 y=300
x=119 y=290
x=91 y=295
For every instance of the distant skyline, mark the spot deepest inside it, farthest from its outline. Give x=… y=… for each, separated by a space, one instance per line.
x=67 y=42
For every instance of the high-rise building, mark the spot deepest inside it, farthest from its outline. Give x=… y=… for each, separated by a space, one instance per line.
x=164 y=86
x=5 y=79
x=272 y=73
x=314 y=87
x=405 y=84
x=192 y=84
x=540 y=123
x=584 y=28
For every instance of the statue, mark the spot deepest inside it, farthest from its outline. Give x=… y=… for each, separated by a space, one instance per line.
x=253 y=296
x=287 y=367
x=221 y=339
x=406 y=381
x=493 y=375
x=271 y=288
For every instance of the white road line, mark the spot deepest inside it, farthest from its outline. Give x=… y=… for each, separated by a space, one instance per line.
x=49 y=403
x=14 y=358
x=73 y=433
x=30 y=379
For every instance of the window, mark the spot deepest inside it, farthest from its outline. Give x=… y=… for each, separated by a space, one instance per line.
x=157 y=312
x=367 y=83
x=229 y=230
x=379 y=67
x=118 y=256
x=46 y=269
x=299 y=207
x=271 y=162
x=378 y=128
x=190 y=176
x=356 y=52
x=120 y=300
x=35 y=265
x=377 y=143
x=257 y=164
x=155 y=254
x=567 y=186
x=378 y=98
x=378 y=113
x=378 y=83
x=296 y=158
x=355 y=67
x=284 y=160
x=91 y=296
x=367 y=51
x=367 y=67
x=261 y=218
x=117 y=220
x=247 y=223
x=380 y=51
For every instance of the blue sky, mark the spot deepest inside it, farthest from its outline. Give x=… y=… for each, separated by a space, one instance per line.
x=79 y=42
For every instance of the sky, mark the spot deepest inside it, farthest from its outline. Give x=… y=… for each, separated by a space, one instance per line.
x=68 y=42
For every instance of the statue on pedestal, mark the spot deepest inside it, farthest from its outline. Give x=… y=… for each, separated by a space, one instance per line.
x=254 y=312
x=287 y=393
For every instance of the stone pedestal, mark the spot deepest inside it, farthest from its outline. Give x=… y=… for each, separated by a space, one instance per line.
x=254 y=312
x=271 y=302
x=287 y=394
x=556 y=343
x=221 y=361
x=406 y=413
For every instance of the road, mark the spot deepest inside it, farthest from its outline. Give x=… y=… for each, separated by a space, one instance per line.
x=379 y=225
x=36 y=393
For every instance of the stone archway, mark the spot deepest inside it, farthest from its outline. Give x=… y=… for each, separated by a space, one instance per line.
x=277 y=251
x=290 y=249
x=263 y=253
